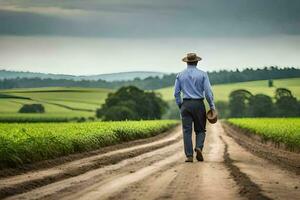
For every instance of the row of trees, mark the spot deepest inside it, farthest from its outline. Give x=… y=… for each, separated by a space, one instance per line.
x=152 y=83
x=249 y=74
x=244 y=104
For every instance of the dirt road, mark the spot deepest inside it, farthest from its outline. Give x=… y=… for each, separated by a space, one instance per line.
x=155 y=170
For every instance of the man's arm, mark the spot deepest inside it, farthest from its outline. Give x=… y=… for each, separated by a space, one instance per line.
x=208 y=92
x=177 y=92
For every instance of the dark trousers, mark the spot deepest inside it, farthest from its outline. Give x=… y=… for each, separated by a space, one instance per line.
x=193 y=112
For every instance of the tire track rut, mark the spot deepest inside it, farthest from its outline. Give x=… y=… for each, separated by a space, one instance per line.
x=247 y=188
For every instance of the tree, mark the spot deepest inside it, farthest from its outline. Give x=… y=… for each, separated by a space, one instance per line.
x=119 y=113
x=260 y=105
x=32 y=108
x=270 y=83
x=172 y=112
x=238 y=103
x=223 y=110
x=298 y=109
x=131 y=103
x=282 y=92
x=286 y=104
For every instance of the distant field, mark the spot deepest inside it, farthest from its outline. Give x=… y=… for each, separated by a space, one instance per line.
x=285 y=130
x=68 y=102
x=64 y=102
x=221 y=92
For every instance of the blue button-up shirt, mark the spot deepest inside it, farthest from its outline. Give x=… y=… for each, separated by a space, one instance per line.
x=194 y=84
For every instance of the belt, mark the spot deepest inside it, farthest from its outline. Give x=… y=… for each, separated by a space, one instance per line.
x=190 y=99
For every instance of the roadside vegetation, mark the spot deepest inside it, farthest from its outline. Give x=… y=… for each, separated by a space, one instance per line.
x=22 y=143
x=282 y=130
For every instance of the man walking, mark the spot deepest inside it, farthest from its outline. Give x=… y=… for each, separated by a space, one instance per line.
x=195 y=85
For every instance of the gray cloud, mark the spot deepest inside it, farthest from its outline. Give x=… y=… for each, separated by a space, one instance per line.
x=156 y=18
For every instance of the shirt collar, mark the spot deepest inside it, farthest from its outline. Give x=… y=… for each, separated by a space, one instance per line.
x=191 y=66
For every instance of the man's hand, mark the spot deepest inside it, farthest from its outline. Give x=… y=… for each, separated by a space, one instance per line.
x=179 y=105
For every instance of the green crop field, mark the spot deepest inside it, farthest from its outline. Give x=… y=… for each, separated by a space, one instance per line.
x=30 y=142
x=285 y=130
x=222 y=91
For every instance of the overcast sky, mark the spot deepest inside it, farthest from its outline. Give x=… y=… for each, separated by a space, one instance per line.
x=101 y=36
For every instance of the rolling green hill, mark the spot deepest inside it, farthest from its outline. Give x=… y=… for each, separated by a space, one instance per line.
x=70 y=102
x=222 y=91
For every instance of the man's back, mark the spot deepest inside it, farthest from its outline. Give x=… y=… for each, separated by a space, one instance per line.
x=194 y=84
x=192 y=80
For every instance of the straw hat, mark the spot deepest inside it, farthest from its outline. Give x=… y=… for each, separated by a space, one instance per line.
x=212 y=116
x=191 y=57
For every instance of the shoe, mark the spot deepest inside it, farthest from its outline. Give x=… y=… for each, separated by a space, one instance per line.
x=189 y=159
x=199 y=155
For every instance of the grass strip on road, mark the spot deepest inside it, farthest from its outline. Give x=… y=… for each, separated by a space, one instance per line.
x=22 y=143
x=281 y=130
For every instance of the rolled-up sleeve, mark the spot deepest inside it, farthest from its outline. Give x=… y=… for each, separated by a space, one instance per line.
x=177 y=91
x=208 y=92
